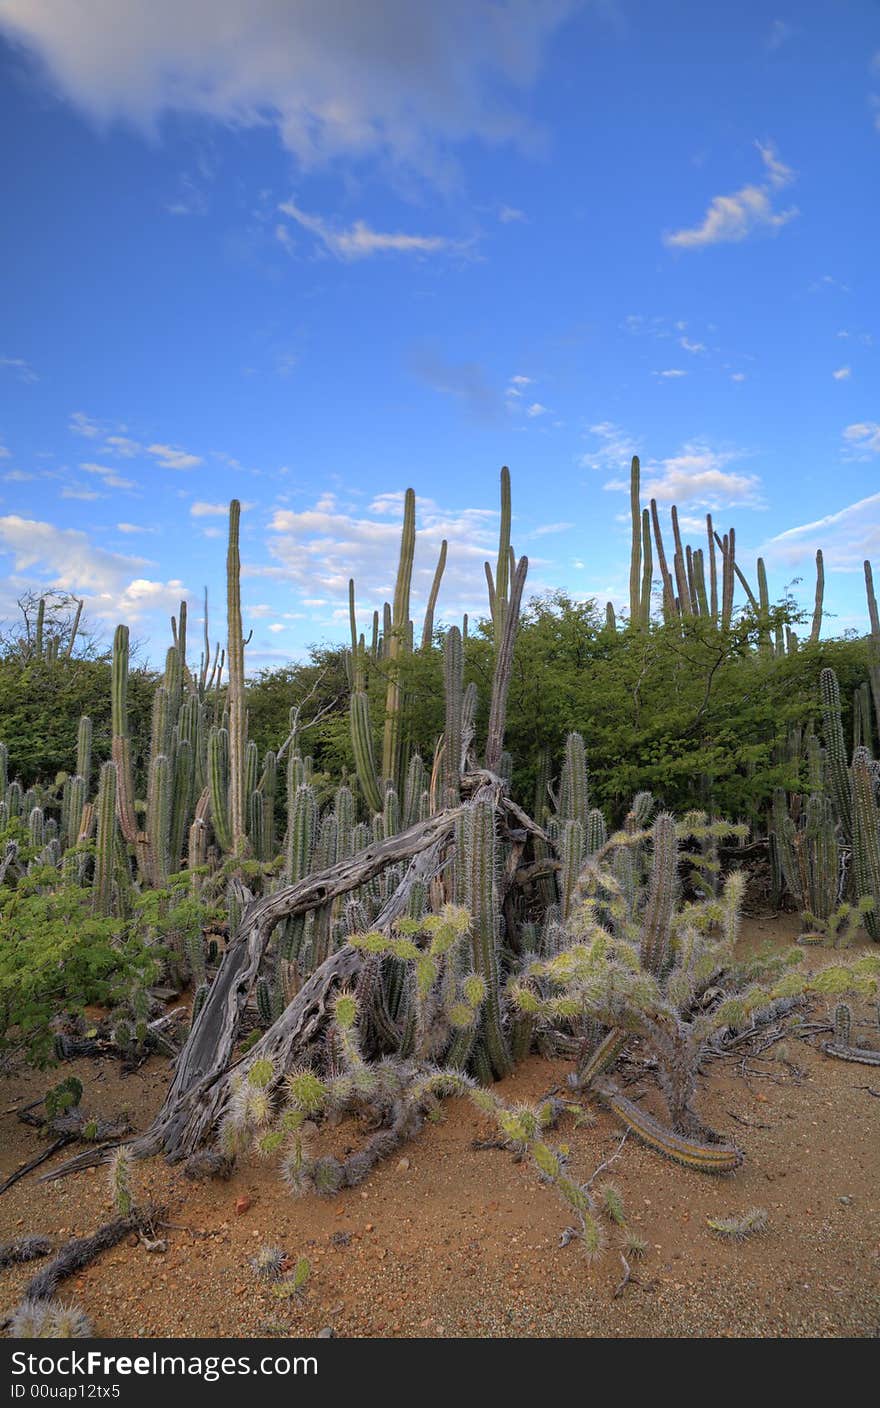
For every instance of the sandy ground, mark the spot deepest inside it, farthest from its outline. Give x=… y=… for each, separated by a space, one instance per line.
x=449 y=1240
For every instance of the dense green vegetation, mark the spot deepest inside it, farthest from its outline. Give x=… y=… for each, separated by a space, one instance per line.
x=434 y=850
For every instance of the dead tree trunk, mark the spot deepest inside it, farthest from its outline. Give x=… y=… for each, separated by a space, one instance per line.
x=182 y=1128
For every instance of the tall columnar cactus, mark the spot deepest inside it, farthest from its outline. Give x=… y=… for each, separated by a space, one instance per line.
x=181 y=800
x=428 y=627
x=820 y=597
x=866 y=838
x=713 y=570
x=635 y=559
x=573 y=851
x=120 y=747
x=398 y=643
x=159 y=817
x=596 y=832
x=662 y=891
x=874 y=657
x=105 y=843
x=218 y=763
x=499 y=585
x=362 y=746
x=838 y=772
x=453 y=679
x=4 y=769
x=574 y=801
x=73 y=800
x=413 y=787
x=37 y=828
x=235 y=688
x=84 y=748
x=268 y=790
x=476 y=863
x=647 y=570
x=302 y=829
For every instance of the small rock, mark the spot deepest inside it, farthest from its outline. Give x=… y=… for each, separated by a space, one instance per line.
x=242 y=1204
x=403 y=1165
x=328 y=1333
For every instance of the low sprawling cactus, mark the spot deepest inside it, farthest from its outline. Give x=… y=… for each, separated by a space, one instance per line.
x=650 y=977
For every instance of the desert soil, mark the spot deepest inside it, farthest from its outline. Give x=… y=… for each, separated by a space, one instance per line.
x=449 y=1240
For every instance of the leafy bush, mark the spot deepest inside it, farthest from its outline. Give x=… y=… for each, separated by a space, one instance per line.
x=56 y=957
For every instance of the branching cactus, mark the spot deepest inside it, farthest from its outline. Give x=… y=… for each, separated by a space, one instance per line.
x=650 y=982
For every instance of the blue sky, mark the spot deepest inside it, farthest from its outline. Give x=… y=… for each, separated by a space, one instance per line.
x=309 y=254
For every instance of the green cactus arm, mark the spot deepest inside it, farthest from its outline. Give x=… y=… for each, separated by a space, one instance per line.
x=428 y=627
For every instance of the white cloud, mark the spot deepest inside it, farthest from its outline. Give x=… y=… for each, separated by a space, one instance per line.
x=65 y=558
x=780 y=33
x=4 y=453
x=277 y=626
x=170 y=457
x=359 y=241
x=123 y=445
x=203 y=510
x=337 y=78
x=691 y=346
x=732 y=218
x=133 y=528
x=18 y=476
x=862 y=440
x=82 y=424
x=87 y=495
x=842 y=374
x=508 y=214
x=545 y=528
x=616 y=447
x=22 y=369
x=108 y=476
x=846 y=538
x=535 y=410
x=671 y=373
x=697 y=476
x=318 y=549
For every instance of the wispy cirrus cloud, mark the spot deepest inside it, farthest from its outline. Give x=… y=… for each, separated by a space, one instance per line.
x=337 y=79
x=862 y=440
x=19 y=368
x=730 y=219
x=847 y=537
x=360 y=241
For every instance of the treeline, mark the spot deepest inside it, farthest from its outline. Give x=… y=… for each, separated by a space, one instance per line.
x=698 y=714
